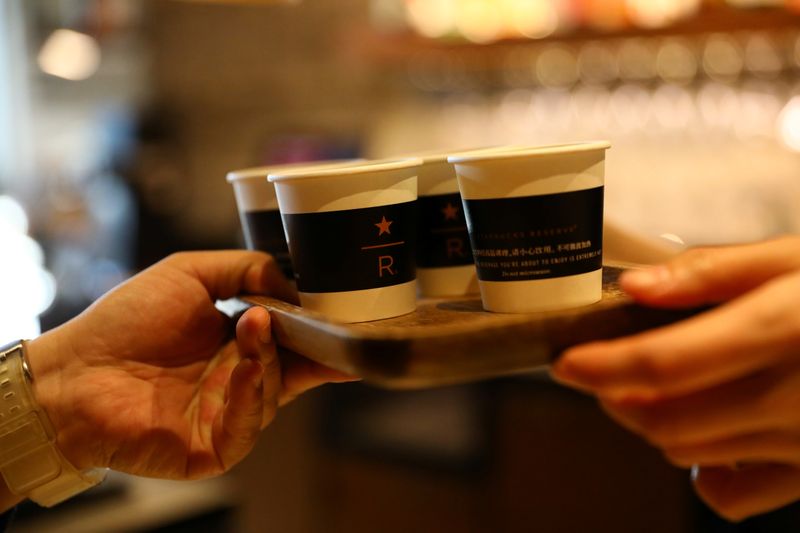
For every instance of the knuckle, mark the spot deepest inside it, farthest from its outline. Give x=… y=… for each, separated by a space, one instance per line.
x=272 y=366
x=658 y=427
x=259 y=259
x=269 y=258
x=778 y=319
x=697 y=262
x=649 y=368
x=765 y=317
x=177 y=257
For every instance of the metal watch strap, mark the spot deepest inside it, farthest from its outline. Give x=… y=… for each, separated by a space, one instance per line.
x=30 y=461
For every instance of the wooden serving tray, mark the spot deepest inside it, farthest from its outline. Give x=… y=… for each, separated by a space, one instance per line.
x=448 y=341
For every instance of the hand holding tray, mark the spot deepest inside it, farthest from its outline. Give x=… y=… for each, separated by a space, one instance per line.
x=448 y=341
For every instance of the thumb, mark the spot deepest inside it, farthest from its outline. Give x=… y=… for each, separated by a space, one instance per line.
x=712 y=275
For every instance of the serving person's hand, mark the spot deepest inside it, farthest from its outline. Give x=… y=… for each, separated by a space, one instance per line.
x=720 y=390
x=149 y=379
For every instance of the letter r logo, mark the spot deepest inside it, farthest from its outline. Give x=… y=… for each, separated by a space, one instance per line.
x=455 y=247
x=385 y=262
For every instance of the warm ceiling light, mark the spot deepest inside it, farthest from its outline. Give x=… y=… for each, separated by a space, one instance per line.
x=70 y=55
x=432 y=18
x=660 y=13
x=480 y=21
x=604 y=15
x=535 y=19
x=789 y=124
x=242 y=2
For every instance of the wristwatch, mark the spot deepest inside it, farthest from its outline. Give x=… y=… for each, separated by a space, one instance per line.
x=30 y=461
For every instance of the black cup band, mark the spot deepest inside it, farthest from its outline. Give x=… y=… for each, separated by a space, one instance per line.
x=442 y=237
x=537 y=237
x=263 y=231
x=353 y=250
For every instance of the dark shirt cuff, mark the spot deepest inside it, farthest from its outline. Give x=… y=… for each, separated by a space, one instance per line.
x=6 y=519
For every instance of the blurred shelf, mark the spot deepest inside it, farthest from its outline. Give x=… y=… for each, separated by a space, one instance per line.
x=399 y=47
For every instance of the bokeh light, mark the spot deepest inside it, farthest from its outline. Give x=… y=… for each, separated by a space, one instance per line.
x=432 y=18
x=69 y=55
x=722 y=58
x=789 y=124
x=479 y=20
x=761 y=56
x=27 y=288
x=676 y=62
x=660 y=13
x=557 y=66
x=637 y=60
x=534 y=19
x=597 y=64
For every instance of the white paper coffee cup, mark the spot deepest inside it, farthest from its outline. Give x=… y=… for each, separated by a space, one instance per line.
x=351 y=232
x=535 y=217
x=444 y=258
x=258 y=208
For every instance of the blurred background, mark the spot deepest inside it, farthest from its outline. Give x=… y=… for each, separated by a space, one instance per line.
x=120 y=118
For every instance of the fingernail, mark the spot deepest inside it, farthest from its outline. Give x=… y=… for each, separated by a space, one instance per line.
x=648 y=278
x=562 y=375
x=578 y=387
x=559 y=376
x=557 y=370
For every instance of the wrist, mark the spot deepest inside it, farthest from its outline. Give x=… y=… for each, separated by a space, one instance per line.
x=52 y=359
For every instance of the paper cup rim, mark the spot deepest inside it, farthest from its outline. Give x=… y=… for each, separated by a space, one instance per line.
x=253 y=173
x=346 y=170
x=441 y=156
x=490 y=154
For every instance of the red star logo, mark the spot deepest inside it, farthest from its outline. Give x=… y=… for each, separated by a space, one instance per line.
x=383 y=226
x=450 y=212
